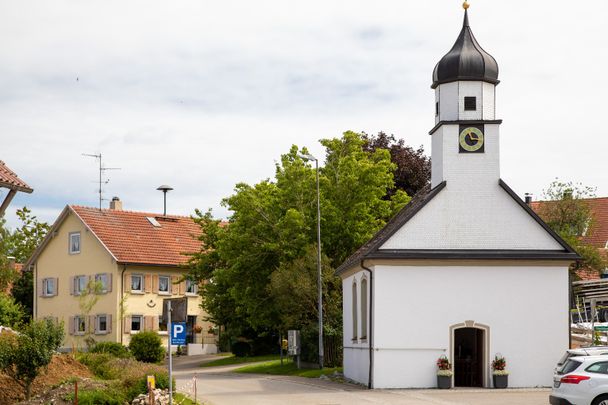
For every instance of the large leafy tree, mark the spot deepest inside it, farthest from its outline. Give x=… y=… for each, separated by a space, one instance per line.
x=567 y=213
x=247 y=268
x=412 y=167
x=20 y=244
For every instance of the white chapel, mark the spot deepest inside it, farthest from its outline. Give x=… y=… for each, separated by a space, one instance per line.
x=466 y=269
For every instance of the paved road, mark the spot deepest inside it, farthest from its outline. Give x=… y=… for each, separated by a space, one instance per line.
x=218 y=386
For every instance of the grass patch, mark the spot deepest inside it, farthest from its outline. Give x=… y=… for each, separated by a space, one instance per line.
x=232 y=359
x=288 y=368
x=181 y=399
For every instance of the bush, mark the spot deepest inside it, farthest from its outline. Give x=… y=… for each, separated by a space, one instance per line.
x=11 y=313
x=147 y=347
x=241 y=349
x=108 y=396
x=113 y=348
x=141 y=386
x=99 y=364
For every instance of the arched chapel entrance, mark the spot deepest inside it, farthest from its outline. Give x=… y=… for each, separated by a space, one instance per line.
x=469 y=349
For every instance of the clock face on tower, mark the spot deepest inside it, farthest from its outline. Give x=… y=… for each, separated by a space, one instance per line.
x=471 y=139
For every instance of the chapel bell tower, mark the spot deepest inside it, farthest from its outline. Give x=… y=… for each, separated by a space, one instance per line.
x=465 y=143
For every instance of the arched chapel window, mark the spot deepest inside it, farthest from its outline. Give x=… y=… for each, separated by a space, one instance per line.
x=354 y=311
x=364 y=308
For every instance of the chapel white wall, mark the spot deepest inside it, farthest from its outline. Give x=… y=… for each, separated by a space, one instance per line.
x=525 y=308
x=356 y=352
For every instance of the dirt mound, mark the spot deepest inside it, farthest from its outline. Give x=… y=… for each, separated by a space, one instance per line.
x=62 y=368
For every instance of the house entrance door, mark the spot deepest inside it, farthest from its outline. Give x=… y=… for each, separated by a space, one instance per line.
x=190 y=329
x=468 y=357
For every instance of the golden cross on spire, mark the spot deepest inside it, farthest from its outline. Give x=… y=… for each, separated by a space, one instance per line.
x=465 y=5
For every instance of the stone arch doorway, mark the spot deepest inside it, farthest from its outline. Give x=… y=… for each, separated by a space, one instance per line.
x=469 y=354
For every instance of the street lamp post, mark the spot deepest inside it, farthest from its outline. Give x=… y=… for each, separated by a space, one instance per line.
x=310 y=157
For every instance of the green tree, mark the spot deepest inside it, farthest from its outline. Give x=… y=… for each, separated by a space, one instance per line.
x=12 y=314
x=24 y=356
x=273 y=230
x=568 y=214
x=7 y=272
x=20 y=244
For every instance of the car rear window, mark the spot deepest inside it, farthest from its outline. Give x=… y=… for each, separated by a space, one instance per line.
x=570 y=365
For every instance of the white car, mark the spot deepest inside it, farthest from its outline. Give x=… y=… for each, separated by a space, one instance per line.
x=581 y=351
x=582 y=380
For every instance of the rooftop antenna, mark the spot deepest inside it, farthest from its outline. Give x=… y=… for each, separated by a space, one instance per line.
x=164 y=188
x=102 y=180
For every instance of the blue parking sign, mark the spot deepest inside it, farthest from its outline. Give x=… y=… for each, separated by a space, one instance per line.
x=178 y=333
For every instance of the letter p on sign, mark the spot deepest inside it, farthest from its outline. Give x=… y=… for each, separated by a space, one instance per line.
x=178 y=333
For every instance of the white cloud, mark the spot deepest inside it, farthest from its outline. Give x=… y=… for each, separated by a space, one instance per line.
x=201 y=95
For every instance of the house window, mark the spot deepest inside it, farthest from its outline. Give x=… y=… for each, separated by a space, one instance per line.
x=354 y=311
x=79 y=325
x=364 y=308
x=102 y=324
x=137 y=283
x=470 y=103
x=164 y=284
x=136 y=323
x=80 y=284
x=162 y=324
x=74 y=242
x=191 y=287
x=49 y=287
x=102 y=279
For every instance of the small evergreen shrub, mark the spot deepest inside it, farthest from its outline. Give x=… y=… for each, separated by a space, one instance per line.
x=99 y=364
x=147 y=347
x=241 y=349
x=113 y=348
x=99 y=397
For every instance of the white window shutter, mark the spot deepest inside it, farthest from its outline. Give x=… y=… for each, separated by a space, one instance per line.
x=71 y=325
x=40 y=288
x=109 y=323
x=127 y=324
x=56 y=286
x=109 y=278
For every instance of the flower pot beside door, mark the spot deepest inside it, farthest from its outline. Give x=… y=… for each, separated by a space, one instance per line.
x=444 y=374
x=500 y=375
x=500 y=380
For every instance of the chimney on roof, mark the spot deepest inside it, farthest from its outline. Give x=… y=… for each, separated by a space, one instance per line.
x=116 y=204
x=528 y=198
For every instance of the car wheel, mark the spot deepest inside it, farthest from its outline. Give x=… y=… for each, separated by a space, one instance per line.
x=603 y=400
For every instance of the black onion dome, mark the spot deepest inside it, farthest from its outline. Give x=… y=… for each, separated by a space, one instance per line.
x=466 y=61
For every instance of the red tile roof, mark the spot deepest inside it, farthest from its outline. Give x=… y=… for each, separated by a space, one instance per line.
x=596 y=235
x=9 y=179
x=132 y=238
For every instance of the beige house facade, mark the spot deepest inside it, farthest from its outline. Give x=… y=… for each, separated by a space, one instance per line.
x=105 y=274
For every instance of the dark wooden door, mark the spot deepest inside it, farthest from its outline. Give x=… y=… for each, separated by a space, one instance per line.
x=468 y=357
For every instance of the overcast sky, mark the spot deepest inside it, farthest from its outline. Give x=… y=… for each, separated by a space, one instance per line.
x=203 y=94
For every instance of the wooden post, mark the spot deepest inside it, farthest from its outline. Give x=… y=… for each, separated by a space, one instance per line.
x=76 y=392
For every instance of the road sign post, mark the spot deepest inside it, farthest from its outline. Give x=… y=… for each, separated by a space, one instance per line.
x=170 y=355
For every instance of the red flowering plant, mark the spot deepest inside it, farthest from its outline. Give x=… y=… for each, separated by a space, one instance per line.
x=499 y=365
x=444 y=366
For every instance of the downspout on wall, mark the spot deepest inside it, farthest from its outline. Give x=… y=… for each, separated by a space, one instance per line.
x=122 y=294
x=370 y=379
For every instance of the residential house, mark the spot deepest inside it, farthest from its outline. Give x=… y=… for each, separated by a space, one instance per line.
x=10 y=181
x=596 y=234
x=136 y=260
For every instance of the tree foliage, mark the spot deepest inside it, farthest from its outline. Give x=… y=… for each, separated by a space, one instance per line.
x=567 y=213
x=23 y=356
x=251 y=269
x=12 y=314
x=413 y=167
x=20 y=244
